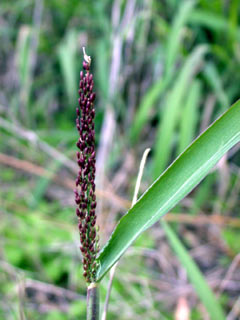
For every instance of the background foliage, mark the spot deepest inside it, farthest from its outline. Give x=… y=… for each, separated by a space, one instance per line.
x=164 y=70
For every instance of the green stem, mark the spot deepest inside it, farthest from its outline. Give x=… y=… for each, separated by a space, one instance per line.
x=93 y=302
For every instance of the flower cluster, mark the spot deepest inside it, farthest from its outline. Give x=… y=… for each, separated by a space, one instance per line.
x=85 y=197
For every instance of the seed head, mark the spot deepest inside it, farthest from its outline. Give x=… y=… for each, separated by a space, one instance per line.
x=85 y=182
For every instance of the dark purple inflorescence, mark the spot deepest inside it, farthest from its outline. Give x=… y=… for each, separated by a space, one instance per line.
x=85 y=197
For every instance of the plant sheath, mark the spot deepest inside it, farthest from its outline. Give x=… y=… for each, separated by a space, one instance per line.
x=93 y=302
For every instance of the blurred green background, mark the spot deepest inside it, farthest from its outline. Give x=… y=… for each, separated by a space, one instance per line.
x=163 y=71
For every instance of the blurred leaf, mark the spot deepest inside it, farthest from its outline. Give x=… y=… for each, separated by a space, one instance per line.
x=172 y=109
x=208 y=19
x=195 y=276
x=174 y=184
x=23 y=54
x=202 y=194
x=24 y=69
x=67 y=56
x=233 y=22
x=153 y=93
x=102 y=68
x=146 y=104
x=215 y=81
x=189 y=116
x=174 y=38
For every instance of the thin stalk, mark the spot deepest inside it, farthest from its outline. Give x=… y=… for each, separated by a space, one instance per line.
x=112 y=271
x=93 y=302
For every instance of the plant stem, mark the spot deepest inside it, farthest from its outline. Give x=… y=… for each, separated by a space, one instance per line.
x=112 y=271
x=93 y=302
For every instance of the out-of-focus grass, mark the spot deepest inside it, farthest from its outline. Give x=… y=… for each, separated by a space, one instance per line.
x=160 y=101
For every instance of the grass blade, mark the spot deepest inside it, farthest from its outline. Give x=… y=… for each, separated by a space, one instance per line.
x=215 y=81
x=174 y=184
x=176 y=33
x=147 y=103
x=201 y=286
x=189 y=116
x=171 y=111
x=67 y=58
x=154 y=93
x=208 y=19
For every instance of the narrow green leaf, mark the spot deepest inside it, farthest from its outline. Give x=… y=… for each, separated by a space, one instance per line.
x=188 y=119
x=215 y=82
x=67 y=57
x=202 y=194
x=208 y=19
x=215 y=21
x=201 y=286
x=147 y=103
x=171 y=110
x=154 y=93
x=23 y=54
x=174 y=184
x=102 y=72
x=175 y=35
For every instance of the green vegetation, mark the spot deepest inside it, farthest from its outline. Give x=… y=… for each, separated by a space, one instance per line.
x=164 y=71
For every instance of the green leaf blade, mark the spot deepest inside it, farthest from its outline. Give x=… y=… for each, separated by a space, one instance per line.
x=201 y=286
x=173 y=185
x=189 y=115
x=172 y=110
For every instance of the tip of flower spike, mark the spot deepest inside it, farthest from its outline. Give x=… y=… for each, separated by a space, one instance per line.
x=85 y=67
x=86 y=57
